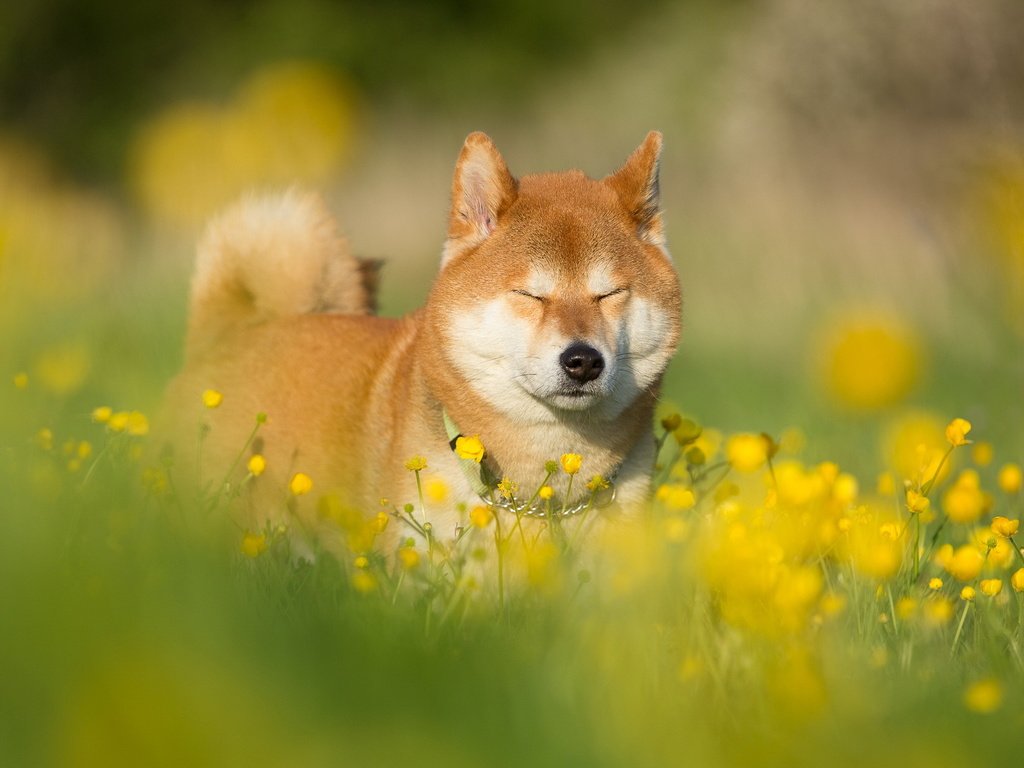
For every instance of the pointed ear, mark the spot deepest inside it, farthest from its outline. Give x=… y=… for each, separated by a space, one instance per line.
x=482 y=190
x=636 y=184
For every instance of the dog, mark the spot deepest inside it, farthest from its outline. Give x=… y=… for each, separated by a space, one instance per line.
x=547 y=332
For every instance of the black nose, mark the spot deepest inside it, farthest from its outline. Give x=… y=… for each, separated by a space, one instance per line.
x=582 y=362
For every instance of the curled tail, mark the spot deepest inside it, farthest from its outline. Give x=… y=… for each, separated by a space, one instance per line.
x=269 y=256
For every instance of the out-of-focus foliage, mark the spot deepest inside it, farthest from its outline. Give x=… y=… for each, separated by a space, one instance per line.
x=79 y=75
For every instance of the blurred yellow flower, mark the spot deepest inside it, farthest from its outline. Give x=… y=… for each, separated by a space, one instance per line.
x=571 y=463
x=257 y=464
x=254 y=544
x=937 y=610
x=984 y=696
x=982 y=453
x=1004 y=526
x=364 y=582
x=1010 y=478
x=469 y=448
x=914 y=445
x=935 y=584
x=300 y=484
x=597 y=483
x=917 y=502
x=102 y=414
x=671 y=422
x=435 y=489
x=480 y=516
x=746 y=451
x=956 y=432
x=291 y=122
x=869 y=359
x=964 y=501
x=546 y=492
x=20 y=380
x=362 y=561
x=965 y=563
x=1017 y=580
x=991 y=587
x=416 y=464
x=968 y=594
x=212 y=398
x=408 y=557
x=676 y=497
x=687 y=431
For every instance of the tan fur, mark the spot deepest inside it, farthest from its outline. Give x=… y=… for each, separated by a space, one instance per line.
x=279 y=324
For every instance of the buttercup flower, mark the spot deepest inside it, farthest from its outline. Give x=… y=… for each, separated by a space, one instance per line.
x=991 y=587
x=254 y=544
x=300 y=484
x=1010 y=478
x=1004 y=527
x=746 y=451
x=506 y=488
x=1017 y=580
x=480 y=516
x=469 y=448
x=102 y=414
x=21 y=380
x=546 y=492
x=596 y=483
x=212 y=398
x=571 y=463
x=917 y=502
x=257 y=464
x=968 y=594
x=984 y=696
x=935 y=584
x=416 y=464
x=956 y=432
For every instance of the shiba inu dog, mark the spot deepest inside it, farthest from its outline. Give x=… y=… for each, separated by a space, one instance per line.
x=547 y=331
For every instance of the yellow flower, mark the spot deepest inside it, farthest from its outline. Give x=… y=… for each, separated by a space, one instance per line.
x=546 y=492
x=968 y=594
x=746 y=451
x=1017 y=580
x=364 y=581
x=596 y=483
x=965 y=502
x=300 y=484
x=687 y=431
x=408 y=557
x=435 y=489
x=469 y=448
x=991 y=587
x=571 y=463
x=361 y=562
x=254 y=544
x=917 y=502
x=257 y=464
x=937 y=610
x=117 y=421
x=984 y=696
x=956 y=432
x=1004 y=527
x=507 y=488
x=136 y=424
x=481 y=516
x=21 y=380
x=935 y=584
x=982 y=453
x=869 y=359
x=212 y=398
x=416 y=464
x=44 y=438
x=965 y=563
x=1010 y=478
x=102 y=414
x=676 y=497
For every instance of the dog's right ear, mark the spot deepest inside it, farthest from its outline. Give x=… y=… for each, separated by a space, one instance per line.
x=482 y=190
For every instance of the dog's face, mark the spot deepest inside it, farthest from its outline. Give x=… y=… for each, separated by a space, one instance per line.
x=558 y=291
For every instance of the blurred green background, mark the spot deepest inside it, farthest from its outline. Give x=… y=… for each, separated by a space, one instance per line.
x=844 y=196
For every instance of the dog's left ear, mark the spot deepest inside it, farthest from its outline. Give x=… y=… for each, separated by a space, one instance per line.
x=636 y=184
x=482 y=190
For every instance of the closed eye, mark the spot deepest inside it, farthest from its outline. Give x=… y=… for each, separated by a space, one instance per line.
x=616 y=292
x=528 y=295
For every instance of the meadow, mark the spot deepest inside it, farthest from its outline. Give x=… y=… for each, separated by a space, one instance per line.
x=830 y=569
